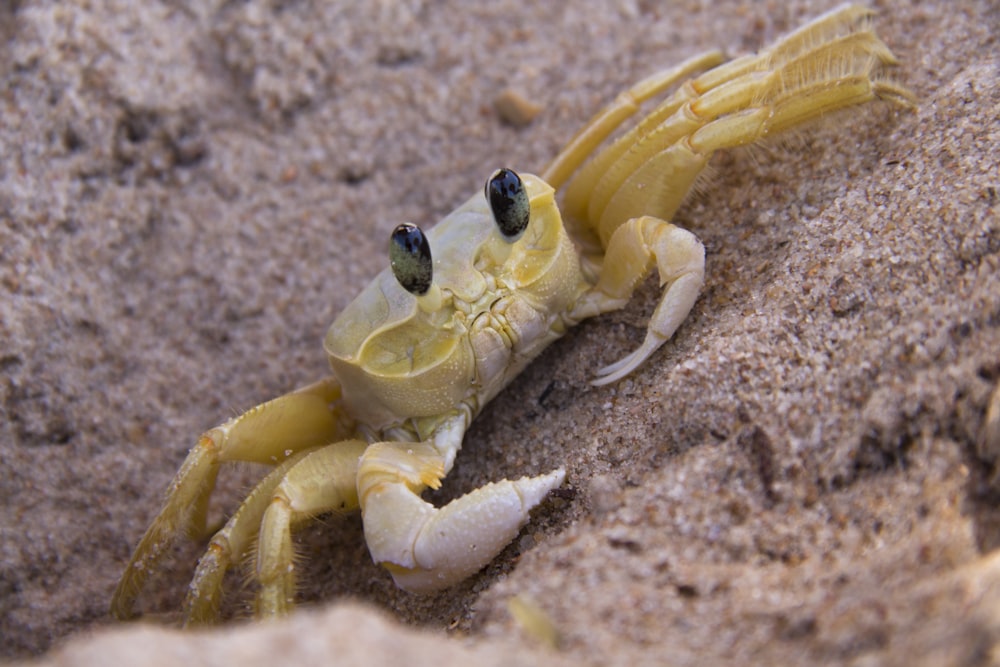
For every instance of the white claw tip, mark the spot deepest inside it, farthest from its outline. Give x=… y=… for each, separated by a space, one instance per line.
x=534 y=489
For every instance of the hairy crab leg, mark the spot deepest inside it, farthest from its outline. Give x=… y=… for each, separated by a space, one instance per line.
x=269 y=433
x=306 y=485
x=204 y=597
x=324 y=480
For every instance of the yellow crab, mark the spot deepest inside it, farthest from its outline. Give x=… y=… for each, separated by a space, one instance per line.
x=465 y=307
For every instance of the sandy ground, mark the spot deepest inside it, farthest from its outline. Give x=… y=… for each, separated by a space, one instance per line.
x=189 y=192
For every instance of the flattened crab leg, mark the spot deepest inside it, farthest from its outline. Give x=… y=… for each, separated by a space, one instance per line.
x=827 y=64
x=612 y=116
x=269 y=434
x=427 y=548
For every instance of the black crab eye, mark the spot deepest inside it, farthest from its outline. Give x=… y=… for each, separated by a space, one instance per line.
x=509 y=202
x=410 y=258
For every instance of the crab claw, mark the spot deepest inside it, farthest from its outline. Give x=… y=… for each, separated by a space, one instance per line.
x=427 y=548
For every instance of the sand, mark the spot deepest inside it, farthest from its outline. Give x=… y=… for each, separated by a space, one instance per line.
x=190 y=192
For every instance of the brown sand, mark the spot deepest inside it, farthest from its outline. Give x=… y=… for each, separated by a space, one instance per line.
x=190 y=192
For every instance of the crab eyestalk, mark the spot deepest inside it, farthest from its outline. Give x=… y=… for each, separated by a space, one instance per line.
x=410 y=258
x=509 y=203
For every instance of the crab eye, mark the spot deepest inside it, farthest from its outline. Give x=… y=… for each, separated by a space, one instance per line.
x=410 y=258
x=509 y=202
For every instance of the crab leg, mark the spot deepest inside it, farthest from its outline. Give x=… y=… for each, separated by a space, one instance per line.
x=324 y=480
x=305 y=485
x=621 y=109
x=201 y=606
x=269 y=433
x=427 y=548
x=634 y=248
x=627 y=191
x=826 y=65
